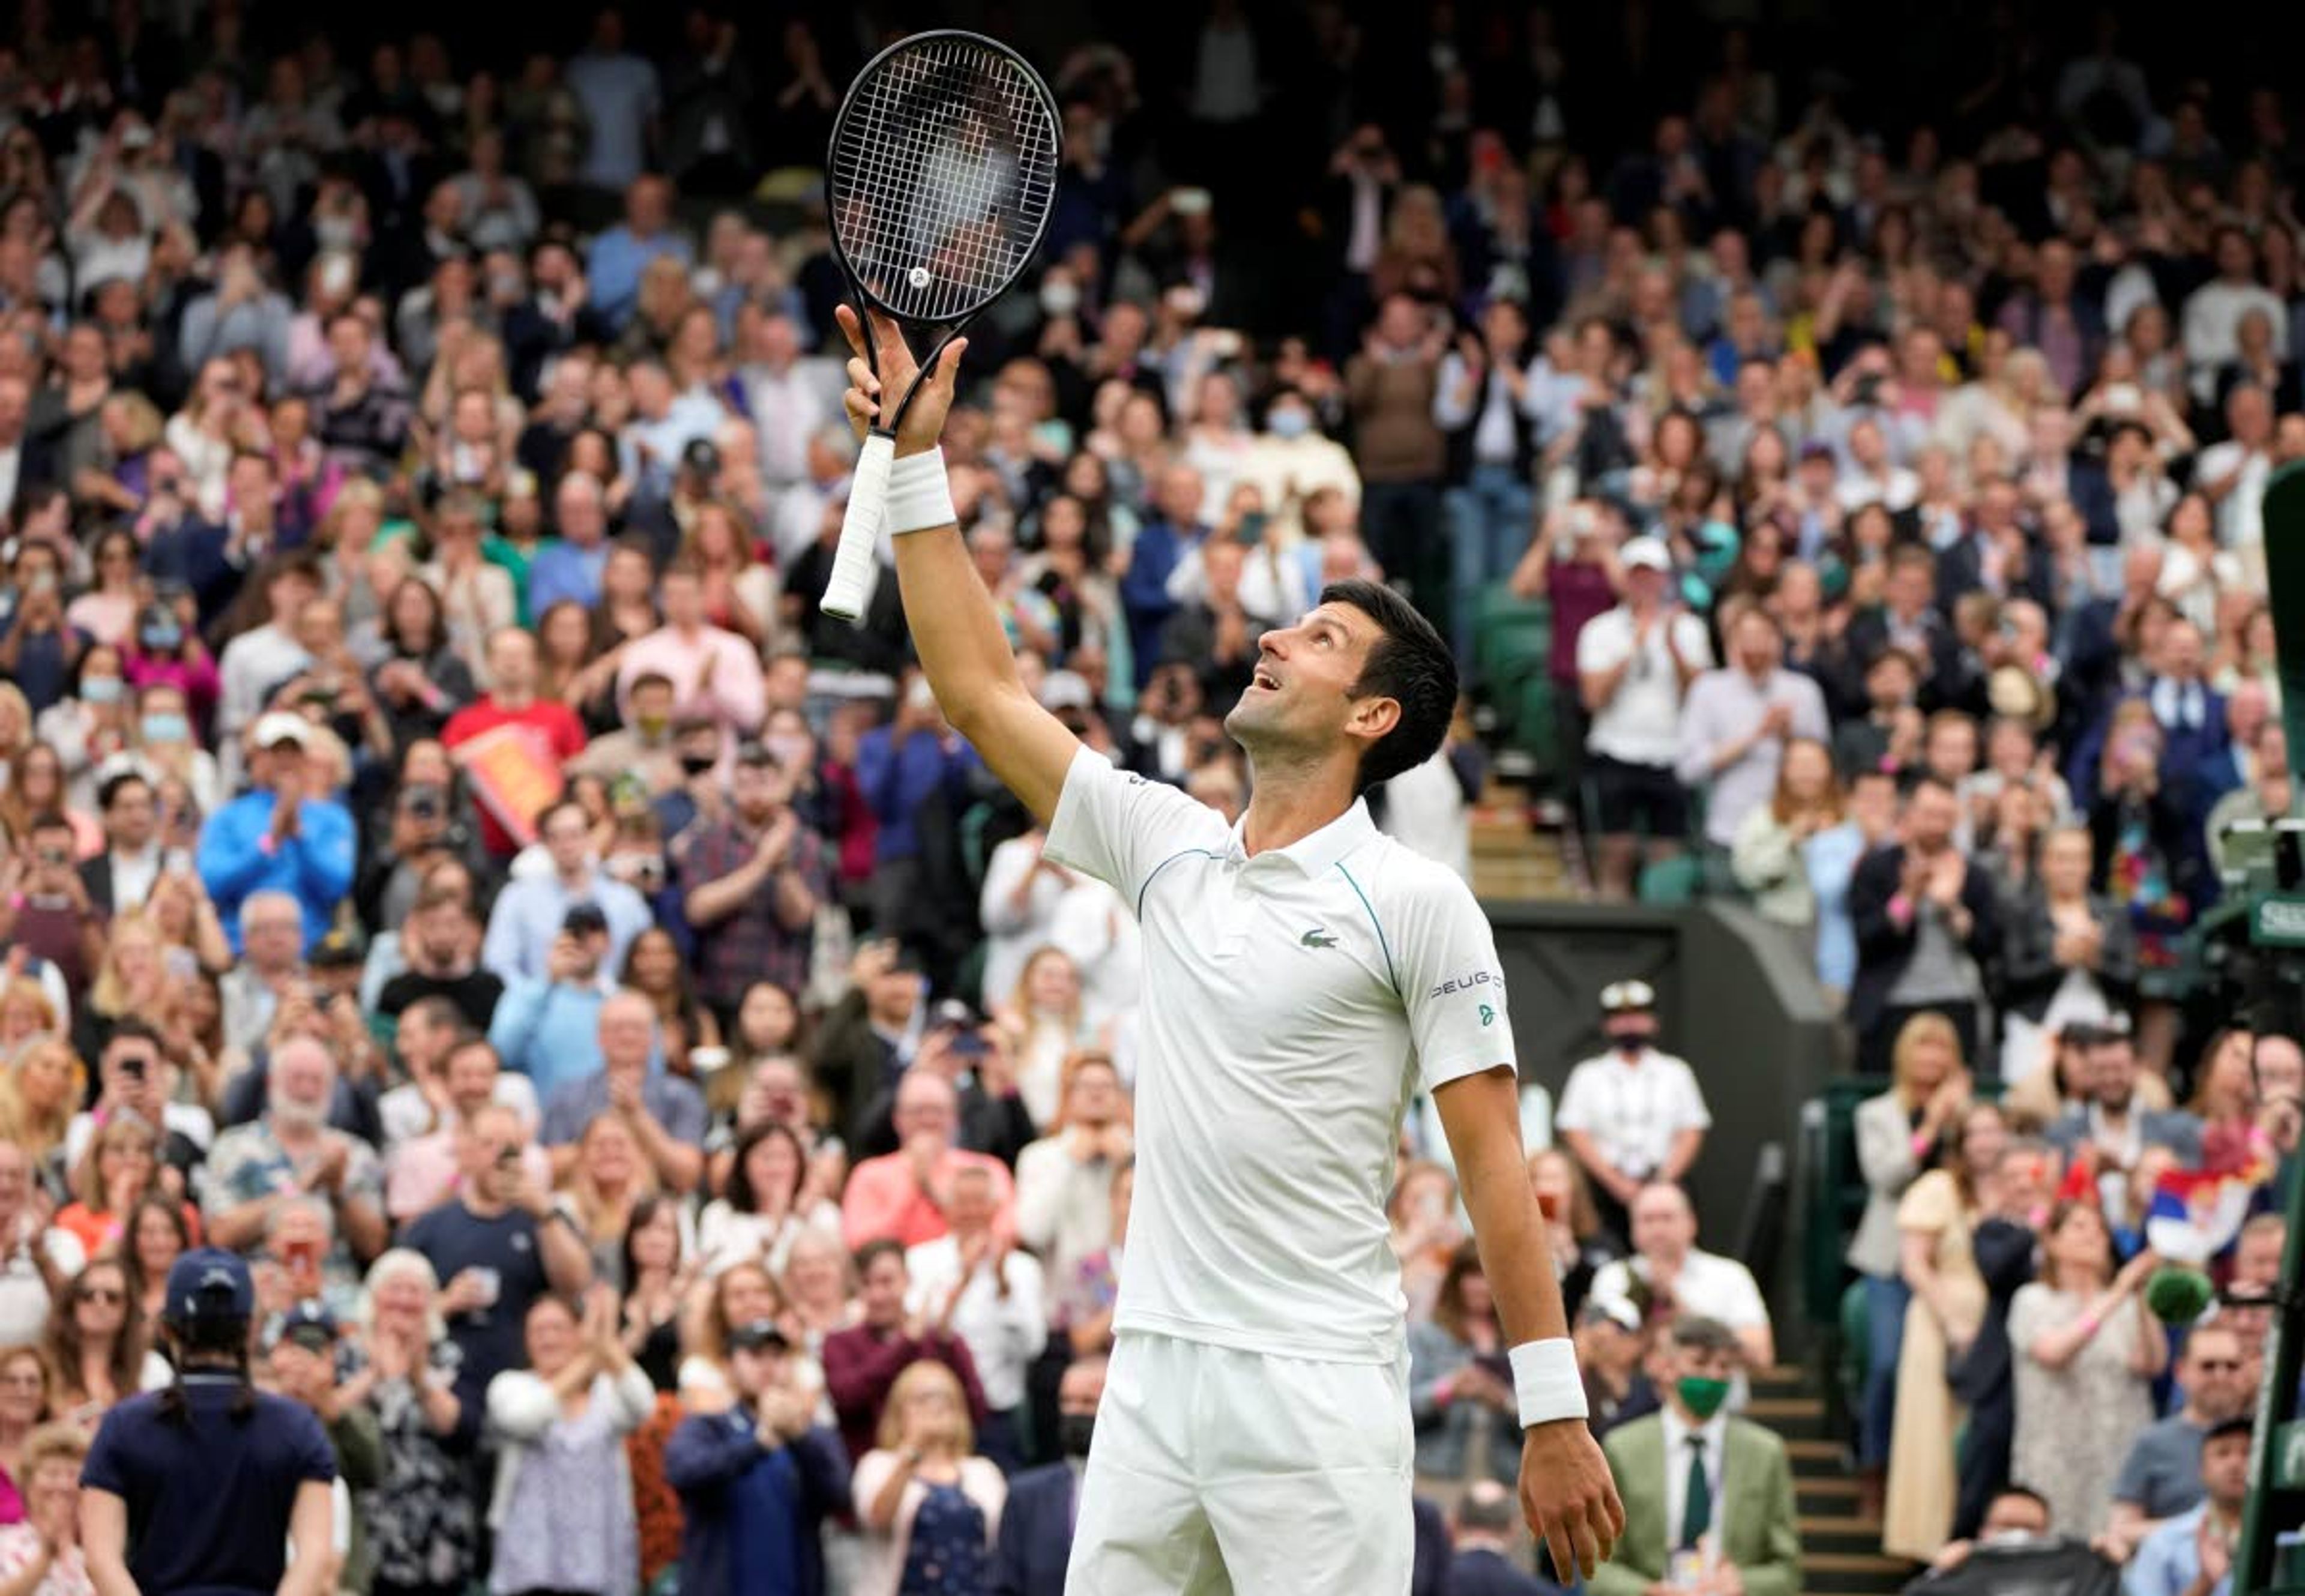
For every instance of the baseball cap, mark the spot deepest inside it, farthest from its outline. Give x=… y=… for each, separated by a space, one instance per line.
x=308 y=1324
x=758 y=1334
x=1066 y=690
x=703 y=456
x=954 y=1012
x=756 y=755
x=1645 y=553
x=342 y=946
x=279 y=727
x=208 y=1283
x=1614 y=1310
x=1626 y=997
x=586 y=918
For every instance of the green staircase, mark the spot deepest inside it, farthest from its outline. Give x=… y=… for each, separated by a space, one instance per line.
x=1841 y=1550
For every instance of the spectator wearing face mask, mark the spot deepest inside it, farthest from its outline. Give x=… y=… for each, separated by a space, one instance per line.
x=1706 y=1496
x=1634 y=1114
x=2015 y=1549
x=1036 y=1522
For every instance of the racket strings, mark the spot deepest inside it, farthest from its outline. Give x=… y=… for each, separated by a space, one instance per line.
x=942 y=177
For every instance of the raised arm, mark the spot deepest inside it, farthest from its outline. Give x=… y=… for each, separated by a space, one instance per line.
x=961 y=643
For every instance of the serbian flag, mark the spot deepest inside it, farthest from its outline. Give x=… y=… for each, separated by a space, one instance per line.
x=2195 y=1214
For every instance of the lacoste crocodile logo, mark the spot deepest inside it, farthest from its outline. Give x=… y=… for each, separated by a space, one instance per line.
x=1316 y=937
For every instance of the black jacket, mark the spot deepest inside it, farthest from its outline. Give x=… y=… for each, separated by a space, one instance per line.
x=1885 y=942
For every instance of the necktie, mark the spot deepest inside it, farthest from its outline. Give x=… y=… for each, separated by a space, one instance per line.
x=1696 y=1513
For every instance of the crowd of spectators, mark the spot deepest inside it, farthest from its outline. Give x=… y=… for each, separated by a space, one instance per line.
x=679 y=1117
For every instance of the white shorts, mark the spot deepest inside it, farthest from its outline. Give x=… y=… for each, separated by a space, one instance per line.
x=1216 y=1471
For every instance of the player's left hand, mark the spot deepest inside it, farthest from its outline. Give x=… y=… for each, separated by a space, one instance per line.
x=1568 y=1497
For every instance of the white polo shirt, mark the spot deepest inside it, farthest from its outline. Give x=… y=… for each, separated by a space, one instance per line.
x=1632 y=1111
x=1641 y=723
x=1292 y=1002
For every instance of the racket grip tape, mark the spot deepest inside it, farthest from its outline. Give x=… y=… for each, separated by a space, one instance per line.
x=850 y=589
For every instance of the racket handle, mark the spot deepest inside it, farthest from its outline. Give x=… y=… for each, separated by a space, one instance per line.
x=850 y=589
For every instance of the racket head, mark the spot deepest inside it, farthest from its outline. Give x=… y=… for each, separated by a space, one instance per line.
x=942 y=175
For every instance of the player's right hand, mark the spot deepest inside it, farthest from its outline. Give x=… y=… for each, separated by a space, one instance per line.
x=924 y=422
x=1568 y=1497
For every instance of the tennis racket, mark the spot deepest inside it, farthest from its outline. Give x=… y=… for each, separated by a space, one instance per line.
x=940 y=178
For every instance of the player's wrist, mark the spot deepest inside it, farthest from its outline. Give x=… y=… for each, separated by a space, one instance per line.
x=920 y=493
x=1545 y=1382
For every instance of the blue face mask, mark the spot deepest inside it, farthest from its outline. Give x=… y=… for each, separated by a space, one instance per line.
x=160 y=640
x=168 y=728
x=1289 y=423
x=99 y=689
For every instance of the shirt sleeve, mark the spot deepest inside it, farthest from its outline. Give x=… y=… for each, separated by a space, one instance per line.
x=1601 y=647
x=316 y=1455
x=1576 y=1110
x=106 y=1469
x=1690 y=1114
x=1451 y=981
x=1120 y=828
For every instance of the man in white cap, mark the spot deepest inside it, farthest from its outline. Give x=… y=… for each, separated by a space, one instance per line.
x=1634 y=664
x=1633 y=1114
x=284 y=835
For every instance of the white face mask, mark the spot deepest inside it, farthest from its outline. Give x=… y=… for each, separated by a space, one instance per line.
x=1059 y=299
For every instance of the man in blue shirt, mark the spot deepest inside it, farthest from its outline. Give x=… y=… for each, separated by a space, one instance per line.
x=665 y=1112
x=209 y=1485
x=532 y=913
x=570 y=566
x=2191 y=1554
x=547 y=1028
x=756 y=1478
x=622 y=254
x=282 y=835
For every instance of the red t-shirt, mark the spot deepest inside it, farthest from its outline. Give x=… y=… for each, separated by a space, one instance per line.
x=555 y=722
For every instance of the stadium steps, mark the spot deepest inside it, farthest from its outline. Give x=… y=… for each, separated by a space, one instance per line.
x=1840 y=1550
x=1514 y=859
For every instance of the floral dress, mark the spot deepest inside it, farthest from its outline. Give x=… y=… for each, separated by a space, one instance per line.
x=946 y=1557
x=423 y=1528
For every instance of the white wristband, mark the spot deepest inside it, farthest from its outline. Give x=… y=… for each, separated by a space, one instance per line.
x=920 y=495
x=1546 y=1382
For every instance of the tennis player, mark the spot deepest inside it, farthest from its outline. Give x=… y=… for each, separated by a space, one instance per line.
x=1303 y=973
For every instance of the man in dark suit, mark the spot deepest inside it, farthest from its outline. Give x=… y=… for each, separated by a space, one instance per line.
x=1480 y=1529
x=124 y=875
x=1927 y=929
x=1909 y=618
x=1036 y=1524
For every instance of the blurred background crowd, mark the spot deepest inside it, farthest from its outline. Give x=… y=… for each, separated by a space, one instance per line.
x=445 y=856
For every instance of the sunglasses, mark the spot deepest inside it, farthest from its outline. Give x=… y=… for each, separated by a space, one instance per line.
x=104 y=1295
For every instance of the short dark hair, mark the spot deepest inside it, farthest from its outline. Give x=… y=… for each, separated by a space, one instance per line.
x=1408 y=663
x=2023 y=1493
x=875 y=1250
x=1693 y=1332
x=113 y=785
x=132 y=1027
